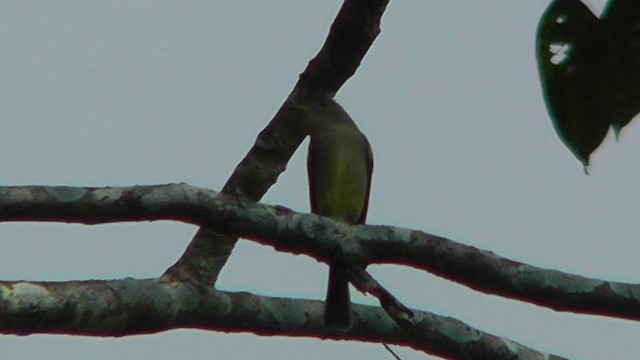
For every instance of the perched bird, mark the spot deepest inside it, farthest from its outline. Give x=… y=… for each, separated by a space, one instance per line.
x=339 y=165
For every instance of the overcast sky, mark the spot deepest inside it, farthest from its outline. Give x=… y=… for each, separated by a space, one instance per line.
x=118 y=93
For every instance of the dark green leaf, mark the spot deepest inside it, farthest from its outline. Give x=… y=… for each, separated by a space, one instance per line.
x=622 y=18
x=572 y=49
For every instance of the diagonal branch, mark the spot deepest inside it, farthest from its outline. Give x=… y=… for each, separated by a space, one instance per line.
x=324 y=238
x=402 y=315
x=130 y=306
x=355 y=28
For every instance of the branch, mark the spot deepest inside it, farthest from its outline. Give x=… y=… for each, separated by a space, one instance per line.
x=402 y=315
x=352 y=33
x=128 y=307
x=323 y=238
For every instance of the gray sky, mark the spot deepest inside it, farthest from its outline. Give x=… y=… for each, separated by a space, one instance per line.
x=123 y=93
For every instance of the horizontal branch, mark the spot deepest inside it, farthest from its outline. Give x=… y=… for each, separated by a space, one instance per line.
x=324 y=238
x=130 y=306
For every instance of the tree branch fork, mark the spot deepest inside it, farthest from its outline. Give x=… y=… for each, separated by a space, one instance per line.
x=185 y=297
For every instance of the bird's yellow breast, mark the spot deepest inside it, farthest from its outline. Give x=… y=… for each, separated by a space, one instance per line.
x=342 y=183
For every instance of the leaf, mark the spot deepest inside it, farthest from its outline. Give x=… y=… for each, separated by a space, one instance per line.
x=622 y=19
x=572 y=51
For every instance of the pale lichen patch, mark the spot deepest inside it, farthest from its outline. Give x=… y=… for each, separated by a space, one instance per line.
x=5 y=291
x=625 y=290
x=66 y=193
x=554 y=279
x=31 y=295
x=284 y=314
x=460 y=332
x=511 y=345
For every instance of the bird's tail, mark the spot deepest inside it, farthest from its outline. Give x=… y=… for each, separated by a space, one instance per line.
x=337 y=311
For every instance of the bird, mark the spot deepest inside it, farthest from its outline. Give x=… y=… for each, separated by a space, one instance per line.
x=339 y=167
